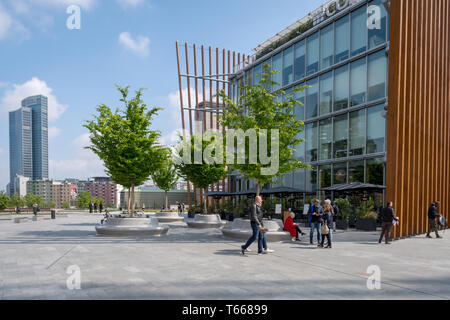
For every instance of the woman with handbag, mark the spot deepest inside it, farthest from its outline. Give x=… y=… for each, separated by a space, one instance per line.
x=327 y=225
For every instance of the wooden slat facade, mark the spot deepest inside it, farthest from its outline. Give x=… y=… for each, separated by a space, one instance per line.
x=418 y=121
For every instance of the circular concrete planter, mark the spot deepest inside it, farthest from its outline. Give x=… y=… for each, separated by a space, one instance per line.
x=131 y=227
x=242 y=230
x=168 y=217
x=203 y=221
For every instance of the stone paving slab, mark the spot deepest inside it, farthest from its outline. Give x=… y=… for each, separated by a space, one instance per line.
x=201 y=264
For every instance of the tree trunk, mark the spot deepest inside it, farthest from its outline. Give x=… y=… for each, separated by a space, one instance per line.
x=258 y=187
x=205 y=207
x=167 y=200
x=133 y=204
x=129 y=200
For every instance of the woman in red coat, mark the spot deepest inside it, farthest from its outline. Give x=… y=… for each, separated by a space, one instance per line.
x=292 y=228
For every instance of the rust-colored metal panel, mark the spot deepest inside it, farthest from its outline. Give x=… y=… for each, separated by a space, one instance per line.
x=418 y=128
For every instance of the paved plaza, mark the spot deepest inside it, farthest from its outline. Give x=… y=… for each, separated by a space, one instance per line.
x=201 y=264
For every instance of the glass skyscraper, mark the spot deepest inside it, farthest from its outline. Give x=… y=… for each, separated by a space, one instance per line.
x=28 y=140
x=345 y=65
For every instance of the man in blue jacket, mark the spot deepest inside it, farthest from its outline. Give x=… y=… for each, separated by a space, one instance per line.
x=432 y=216
x=315 y=213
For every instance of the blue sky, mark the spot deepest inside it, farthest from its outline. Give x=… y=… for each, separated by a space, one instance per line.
x=125 y=42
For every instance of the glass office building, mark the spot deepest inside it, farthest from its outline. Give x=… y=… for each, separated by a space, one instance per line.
x=28 y=140
x=344 y=62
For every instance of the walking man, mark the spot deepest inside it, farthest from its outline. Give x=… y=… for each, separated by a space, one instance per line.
x=432 y=216
x=387 y=217
x=315 y=212
x=35 y=208
x=256 y=221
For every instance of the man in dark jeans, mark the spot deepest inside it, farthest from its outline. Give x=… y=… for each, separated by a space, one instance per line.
x=256 y=221
x=432 y=216
x=315 y=212
x=387 y=217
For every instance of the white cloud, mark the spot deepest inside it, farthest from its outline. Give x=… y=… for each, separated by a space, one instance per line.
x=82 y=164
x=13 y=97
x=140 y=45
x=6 y=22
x=53 y=132
x=171 y=138
x=131 y=3
x=84 y=4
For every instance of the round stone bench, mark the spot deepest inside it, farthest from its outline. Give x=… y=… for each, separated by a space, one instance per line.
x=242 y=230
x=40 y=218
x=168 y=217
x=20 y=219
x=202 y=221
x=140 y=227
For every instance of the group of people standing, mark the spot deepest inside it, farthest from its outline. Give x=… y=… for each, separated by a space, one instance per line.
x=323 y=221
x=181 y=207
x=93 y=207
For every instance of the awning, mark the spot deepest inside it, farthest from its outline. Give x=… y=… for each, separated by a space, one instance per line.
x=355 y=186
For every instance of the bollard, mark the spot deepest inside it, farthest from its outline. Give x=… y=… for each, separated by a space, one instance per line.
x=53 y=214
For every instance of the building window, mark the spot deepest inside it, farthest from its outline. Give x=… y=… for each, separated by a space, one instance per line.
x=311 y=142
x=288 y=60
x=340 y=136
x=277 y=65
x=377 y=36
x=376 y=126
x=325 y=136
x=325 y=176
x=341 y=39
x=375 y=171
x=300 y=149
x=326 y=93
x=359 y=31
x=311 y=180
x=356 y=171
x=257 y=74
x=299 y=55
x=358 y=82
x=340 y=173
x=326 y=47
x=299 y=179
x=312 y=99
x=300 y=108
x=312 y=56
x=377 y=76
x=341 y=88
x=357 y=133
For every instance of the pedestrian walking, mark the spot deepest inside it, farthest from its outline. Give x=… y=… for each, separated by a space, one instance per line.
x=432 y=216
x=91 y=207
x=327 y=224
x=100 y=207
x=315 y=212
x=35 y=208
x=95 y=207
x=335 y=214
x=388 y=220
x=292 y=228
x=256 y=221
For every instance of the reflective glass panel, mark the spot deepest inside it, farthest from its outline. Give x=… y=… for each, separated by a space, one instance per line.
x=359 y=31
x=358 y=82
x=340 y=136
x=326 y=47
x=341 y=89
x=357 y=133
x=341 y=39
x=376 y=126
x=312 y=57
x=326 y=93
x=299 y=56
x=325 y=136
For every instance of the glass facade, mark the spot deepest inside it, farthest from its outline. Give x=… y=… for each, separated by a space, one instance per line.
x=344 y=63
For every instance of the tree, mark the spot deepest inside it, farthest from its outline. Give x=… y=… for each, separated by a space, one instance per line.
x=50 y=204
x=4 y=200
x=30 y=199
x=165 y=178
x=65 y=205
x=260 y=109
x=83 y=200
x=16 y=201
x=204 y=173
x=124 y=141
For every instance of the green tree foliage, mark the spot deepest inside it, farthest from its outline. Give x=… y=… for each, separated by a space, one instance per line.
x=50 y=204
x=165 y=178
x=65 y=205
x=83 y=200
x=344 y=208
x=124 y=141
x=258 y=108
x=4 y=200
x=16 y=201
x=30 y=199
x=204 y=173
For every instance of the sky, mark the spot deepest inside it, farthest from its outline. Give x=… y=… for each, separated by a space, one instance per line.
x=123 y=42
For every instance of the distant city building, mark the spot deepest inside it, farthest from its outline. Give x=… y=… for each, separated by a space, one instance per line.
x=153 y=198
x=101 y=187
x=180 y=185
x=28 y=140
x=51 y=190
x=20 y=185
